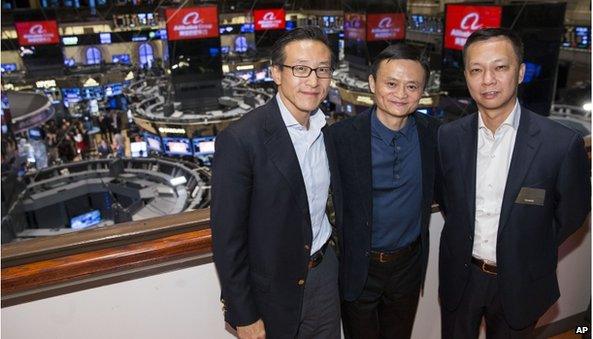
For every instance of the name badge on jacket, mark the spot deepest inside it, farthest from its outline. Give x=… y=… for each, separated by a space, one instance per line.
x=531 y=196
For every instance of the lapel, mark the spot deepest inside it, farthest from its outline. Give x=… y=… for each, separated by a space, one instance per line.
x=361 y=151
x=468 y=149
x=281 y=153
x=427 y=142
x=527 y=143
x=331 y=155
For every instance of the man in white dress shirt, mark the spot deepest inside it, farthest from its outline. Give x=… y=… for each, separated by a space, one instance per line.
x=515 y=186
x=271 y=178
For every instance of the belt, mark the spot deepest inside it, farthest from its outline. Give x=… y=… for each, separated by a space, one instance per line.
x=484 y=266
x=384 y=257
x=315 y=258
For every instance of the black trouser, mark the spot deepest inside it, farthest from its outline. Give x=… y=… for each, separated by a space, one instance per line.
x=387 y=306
x=481 y=298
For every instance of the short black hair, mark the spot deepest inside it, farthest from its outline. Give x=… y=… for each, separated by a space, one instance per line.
x=489 y=33
x=300 y=33
x=401 y=51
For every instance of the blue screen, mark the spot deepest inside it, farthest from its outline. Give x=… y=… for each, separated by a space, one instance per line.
x=154 y=142
x=532 y=71
x=290 y=25
x=225 y=49
x=248 y=28
x=240 y=44
x=71 y=94
x=121 y=59
x=177 y=146
x=85 y=220
x=8 y=67
x=203 y=145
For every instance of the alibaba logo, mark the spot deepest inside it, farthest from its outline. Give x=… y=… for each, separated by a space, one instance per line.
x=269 y=16
x=192 y=18
x=37 y=29
x=470 y=22
x=385 y=22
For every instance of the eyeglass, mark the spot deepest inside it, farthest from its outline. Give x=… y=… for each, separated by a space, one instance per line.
x=301 y=71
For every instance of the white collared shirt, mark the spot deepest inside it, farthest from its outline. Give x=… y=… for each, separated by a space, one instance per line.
x=492 y=167
x=310 y=150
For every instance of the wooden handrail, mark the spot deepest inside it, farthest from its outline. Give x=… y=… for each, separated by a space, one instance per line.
x=44 y=267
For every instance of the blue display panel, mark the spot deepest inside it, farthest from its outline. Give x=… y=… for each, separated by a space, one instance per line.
x=177 y=146
x=121 y=59
x=203 y=145
x=139 y=149
x=85 y=220
x=153 y=142
x=71 y=94
x=113 y=89
x=7 y=68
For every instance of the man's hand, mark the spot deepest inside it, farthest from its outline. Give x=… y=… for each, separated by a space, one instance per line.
x=253 y=331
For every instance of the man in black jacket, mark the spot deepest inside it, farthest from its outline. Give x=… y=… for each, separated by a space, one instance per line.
x=516 y=185
x=271 y=178
x=386 y=158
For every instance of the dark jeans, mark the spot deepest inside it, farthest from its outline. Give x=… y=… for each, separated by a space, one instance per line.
x=387 y=306
x=320 y=315
x=480 y=299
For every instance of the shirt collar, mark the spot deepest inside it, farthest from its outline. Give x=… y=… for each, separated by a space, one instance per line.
x=387 y=134
x=316 y=119
x=512 y=120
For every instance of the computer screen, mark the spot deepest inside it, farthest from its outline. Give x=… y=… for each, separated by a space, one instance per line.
x=85 y=220
x=113 y=89
x=121 y=59
x=241 y=44
x=7 y=68
x=177 y=146
x=577 y=37
x=35 y=133
x=71 y=94
x=139 y=149
x=203 y=145
x=153 y=142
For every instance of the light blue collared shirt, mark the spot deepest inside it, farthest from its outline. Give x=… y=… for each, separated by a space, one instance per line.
x=310 y=150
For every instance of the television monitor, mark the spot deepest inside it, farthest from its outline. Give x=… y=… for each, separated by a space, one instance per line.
x=290 y=25
x=85 y=220
x=248 y=28
x=241 y=44
x=71 y=94
x=113 y=89
x=105 y=38
x=35 y=133
x=153 y=142
x=139 y=149
x=260 y=75
x=203 y=145
x=93 y=92
x=121 y=59
x=177 y=146
x=7 y=68
x=532 y=71
x=225 y=49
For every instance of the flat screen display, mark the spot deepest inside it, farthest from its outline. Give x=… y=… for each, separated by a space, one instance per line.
x=139 y=149
x=177 y=146
x=153 y=142
x=37 y=32
x=462 y=20
x=577 y=37
x=121 y=59
x=192 y=23
x=85 y=220
x=7 y=68
x=273 y=18
x=204 y=145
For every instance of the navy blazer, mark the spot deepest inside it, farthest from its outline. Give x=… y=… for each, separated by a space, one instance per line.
x=261 y=228
x=352 y=139
x=546 y=156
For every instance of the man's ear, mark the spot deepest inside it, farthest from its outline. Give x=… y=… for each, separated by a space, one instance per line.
x=276 y=75
x=372 y=83
x=521 y=73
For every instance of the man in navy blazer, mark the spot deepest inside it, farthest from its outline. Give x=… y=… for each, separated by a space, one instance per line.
x=273 y=171
x=386 y=157
x=516 y=185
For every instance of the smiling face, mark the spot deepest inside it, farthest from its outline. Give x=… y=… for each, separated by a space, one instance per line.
x=492 y=73
x=398 y=87
x=302 y=95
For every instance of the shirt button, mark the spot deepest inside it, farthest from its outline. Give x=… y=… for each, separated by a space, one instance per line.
x=492 y=156
x=486 y=241
x=307 y=247
x=398 y=148
x=466 y=265
x=301 y=282
x=397 y=176
x=366 y=253
x=469 y=237
x=490 y=186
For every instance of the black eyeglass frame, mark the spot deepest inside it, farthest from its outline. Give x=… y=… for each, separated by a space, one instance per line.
x=310 y=70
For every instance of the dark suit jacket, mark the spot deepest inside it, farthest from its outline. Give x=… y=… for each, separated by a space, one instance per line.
x=352 y=139
x=261 y=228
x=546 y=156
